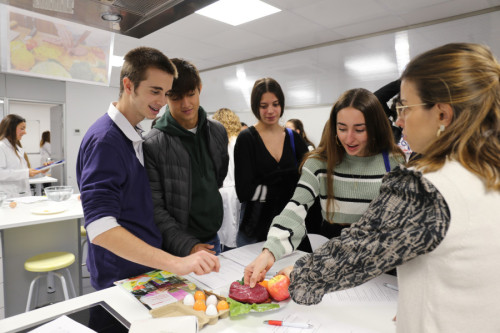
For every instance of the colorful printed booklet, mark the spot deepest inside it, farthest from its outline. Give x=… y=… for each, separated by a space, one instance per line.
x=157 y=288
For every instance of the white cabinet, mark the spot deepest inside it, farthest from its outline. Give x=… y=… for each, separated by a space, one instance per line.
x=2 y=302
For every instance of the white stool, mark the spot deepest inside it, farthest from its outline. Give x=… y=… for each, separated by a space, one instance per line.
x=48 y=263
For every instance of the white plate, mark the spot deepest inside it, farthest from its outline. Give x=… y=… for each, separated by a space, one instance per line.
x=47 y=210
x=282 y=304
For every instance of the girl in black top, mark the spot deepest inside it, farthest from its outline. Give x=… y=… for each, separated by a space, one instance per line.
x=266 y=158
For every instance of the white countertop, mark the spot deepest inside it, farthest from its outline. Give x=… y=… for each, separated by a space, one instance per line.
x=329 y=315
x=119 y=300
x=42 y=180
x=353 y=318
x=22 y=215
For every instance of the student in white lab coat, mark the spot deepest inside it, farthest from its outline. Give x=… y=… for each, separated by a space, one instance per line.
x=14 y=166
x=45 y=149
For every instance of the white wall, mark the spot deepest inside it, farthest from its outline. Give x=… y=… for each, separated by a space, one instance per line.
x=32 y=112
x=313 y=118
x=84 y=104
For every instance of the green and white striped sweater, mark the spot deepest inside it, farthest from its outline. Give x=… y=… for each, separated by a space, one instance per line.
x=356 y=183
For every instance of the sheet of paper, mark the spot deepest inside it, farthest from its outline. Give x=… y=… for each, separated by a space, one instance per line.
x=244 y=255
x=181 y=324
x=331 y=326
x=373 y=291
x=286 y=261
x=229 y=271
x=62 y=324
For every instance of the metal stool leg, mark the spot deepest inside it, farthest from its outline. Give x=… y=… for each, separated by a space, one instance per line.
x=30 y=293
x=63 y=283
x=37 y=287
x=83 y=252
x=72 y=286
x=50 y=283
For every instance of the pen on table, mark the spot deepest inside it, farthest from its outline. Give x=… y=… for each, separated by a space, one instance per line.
x=287 y=324
x=391 y=286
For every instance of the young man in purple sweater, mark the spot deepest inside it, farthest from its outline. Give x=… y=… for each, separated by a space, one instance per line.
x=114 y=187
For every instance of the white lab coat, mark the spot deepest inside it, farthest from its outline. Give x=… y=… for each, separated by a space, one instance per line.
x=14 y=171
x=45 y=152
x=232 y=206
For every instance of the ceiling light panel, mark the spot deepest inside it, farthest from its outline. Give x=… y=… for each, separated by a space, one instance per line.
x=236 y=12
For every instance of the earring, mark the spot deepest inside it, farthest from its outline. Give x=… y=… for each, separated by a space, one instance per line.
x=440 y=130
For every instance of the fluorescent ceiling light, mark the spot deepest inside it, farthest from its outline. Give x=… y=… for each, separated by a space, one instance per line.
x=236 y=12
x=117 y=61
x=369 y=65
x=402 y=47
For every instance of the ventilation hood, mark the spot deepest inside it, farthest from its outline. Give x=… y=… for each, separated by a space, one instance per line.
x=137 y=18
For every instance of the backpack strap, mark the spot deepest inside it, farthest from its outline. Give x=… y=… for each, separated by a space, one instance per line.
x=386 y=161
x=292 y=142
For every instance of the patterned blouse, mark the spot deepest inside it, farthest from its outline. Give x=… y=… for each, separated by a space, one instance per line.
x=409 y=218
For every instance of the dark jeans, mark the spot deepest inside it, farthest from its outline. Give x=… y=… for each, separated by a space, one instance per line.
x=216 y=243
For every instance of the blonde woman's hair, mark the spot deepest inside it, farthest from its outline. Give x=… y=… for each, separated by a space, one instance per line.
x=229 y=120
x=467 y=77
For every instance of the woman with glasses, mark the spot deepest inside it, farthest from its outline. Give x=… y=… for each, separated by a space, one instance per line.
x=437 y=220
x=345 y=172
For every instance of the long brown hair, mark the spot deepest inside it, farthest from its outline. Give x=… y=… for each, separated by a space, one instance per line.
x=465 y=76
x=8 y=128
x=298 y=125
x=45 y=138
x=379 y=133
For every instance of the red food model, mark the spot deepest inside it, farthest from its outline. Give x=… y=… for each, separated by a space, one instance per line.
x=245 y=294
x=278 y=287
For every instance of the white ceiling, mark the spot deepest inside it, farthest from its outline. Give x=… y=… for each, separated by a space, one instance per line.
x=301 y=23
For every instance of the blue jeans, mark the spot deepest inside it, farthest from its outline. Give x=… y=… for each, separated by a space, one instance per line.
x=242 y=239
x=216 y=243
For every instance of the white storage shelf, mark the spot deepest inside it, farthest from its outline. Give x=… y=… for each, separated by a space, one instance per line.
x=2 y=303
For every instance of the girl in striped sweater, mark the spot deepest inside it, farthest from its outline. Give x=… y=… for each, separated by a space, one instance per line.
x=345 y=171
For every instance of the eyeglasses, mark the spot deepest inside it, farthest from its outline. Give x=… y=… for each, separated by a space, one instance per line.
x=401 y=109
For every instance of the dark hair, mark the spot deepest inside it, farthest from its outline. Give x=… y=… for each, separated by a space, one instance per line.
x=139 y=60
x=378 y=129
x=243 y=124
x=300 y=127
x=8 y=128
x=188 y=78
x=45 y=138
x=260 y=87
x=465 y=76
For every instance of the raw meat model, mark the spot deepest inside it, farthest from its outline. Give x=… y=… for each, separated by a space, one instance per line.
x=245 y=294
